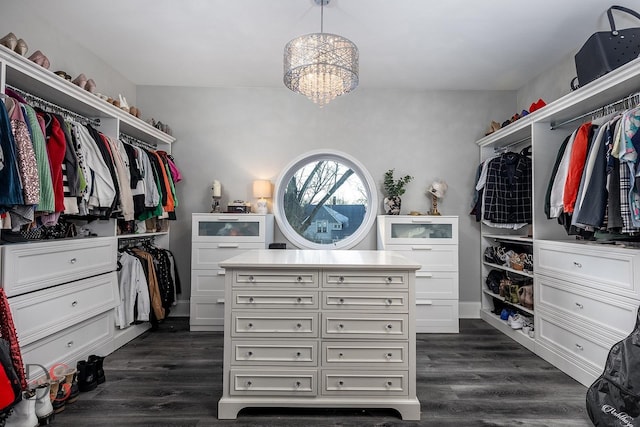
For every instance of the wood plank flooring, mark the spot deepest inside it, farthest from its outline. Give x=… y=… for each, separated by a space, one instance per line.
x=480 y=377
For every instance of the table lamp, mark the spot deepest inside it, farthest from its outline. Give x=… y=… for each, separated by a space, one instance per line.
x=262 y=191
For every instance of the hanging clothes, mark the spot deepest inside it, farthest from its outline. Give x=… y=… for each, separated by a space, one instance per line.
x=134 y=292
x=508 y=190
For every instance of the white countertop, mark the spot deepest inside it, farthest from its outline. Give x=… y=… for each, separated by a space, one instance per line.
x=261 y=258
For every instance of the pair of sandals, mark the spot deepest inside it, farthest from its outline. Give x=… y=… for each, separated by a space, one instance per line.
x=19 y=46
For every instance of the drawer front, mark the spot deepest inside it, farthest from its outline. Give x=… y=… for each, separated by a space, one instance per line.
x=347 y=355
x=39 y=314
x=437 y=284
x=373 y=326
x=574 y=346
x=290 y=353
x=209 y=255
x=586 y=305
x=364 y=383
x=276 y=278
x=71 y=344
x=408 y=230
x=207 y=282
x=602 y=267
x=286 y=325
x=34 y=266
x=225 y=228
x=436 y=316
x=258 y=299
x=273 y=382
x=368 y=280
x=381 y=301
x=207 y=311
x=430 y=257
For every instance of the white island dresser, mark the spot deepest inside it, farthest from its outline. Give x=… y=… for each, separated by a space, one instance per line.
x=319 y=329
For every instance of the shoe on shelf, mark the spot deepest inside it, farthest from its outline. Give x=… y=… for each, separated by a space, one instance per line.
x=21 y=47
x=81 y=81
x=39 y=58
x=63 y=74
x=91 y=86
x=494 y=126
x=9 y=41
x=517 y=322
x=123 y=103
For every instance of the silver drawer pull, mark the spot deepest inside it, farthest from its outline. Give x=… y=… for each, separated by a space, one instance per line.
x=579 y=305
x=298 y=325
x=341 y=279
x=249 y=353
x=389 y=383
x=341 y=300
x=248 y=383
x=298 y=384
x=579 y=347
x=250 y=325
x=389 y=301
x=252 y=279
x=73 y=261
x=577 y=264
x=70 y=344
x=341 y=355
x=298 y=354
x=389 y=279
x=340 y=326
x=298 y=299
x=75 y=303
x=389 y=326
x=250 y=299
x=340 y=383
x=299 y=279
x=388 y=356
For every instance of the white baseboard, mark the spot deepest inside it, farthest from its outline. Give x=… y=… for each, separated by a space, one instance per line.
x=181 y=309
x=469 y=310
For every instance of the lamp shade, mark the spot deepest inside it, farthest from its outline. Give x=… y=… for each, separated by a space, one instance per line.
x=261 y=189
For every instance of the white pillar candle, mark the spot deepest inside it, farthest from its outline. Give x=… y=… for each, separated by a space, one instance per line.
x=217 y=189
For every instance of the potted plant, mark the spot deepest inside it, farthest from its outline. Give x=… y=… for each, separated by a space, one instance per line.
x=393 y=189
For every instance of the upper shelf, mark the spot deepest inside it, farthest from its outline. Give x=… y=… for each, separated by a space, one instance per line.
x=30 y=77
x=609 y=88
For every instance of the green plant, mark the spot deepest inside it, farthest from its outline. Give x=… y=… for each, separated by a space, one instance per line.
x=395 y=187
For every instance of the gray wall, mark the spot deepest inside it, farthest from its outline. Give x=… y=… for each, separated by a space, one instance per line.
x=238 y=135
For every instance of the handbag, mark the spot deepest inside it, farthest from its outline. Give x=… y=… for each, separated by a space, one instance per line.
x=605 y=51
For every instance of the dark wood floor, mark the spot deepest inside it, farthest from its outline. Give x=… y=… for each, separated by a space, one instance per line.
x=173 y=377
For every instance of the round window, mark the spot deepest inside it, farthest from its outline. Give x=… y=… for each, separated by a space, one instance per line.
x=325 y=200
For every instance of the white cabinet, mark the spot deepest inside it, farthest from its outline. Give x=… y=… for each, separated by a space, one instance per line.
x=215 y=237
x=586 y=301
x=62 y=294
x=431 y=241
x=317 y=328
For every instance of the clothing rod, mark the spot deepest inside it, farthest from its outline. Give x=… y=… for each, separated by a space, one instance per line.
x=604 y=110
x=506 y=147
x=136 y=141
x=54 y=108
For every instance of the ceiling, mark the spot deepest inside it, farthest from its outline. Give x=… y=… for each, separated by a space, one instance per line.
x=413 y=44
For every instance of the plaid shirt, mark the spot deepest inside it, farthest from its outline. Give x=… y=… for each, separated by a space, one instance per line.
x=508 y=190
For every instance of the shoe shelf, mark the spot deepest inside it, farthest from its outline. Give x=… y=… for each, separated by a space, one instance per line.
x=504 y=300
x=501 y=325
x=24 y=74
x=509 y=269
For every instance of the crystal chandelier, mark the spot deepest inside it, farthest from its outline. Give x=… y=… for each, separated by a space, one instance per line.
x=320 y=65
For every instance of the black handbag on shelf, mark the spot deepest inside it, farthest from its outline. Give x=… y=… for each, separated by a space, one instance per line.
x=605 y=51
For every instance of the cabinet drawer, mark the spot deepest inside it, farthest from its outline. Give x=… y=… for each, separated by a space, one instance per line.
x=589 y=352
x=287 y=279
x=436 y=316
x=605 y=268
x=40 y=314
x=298 y=353
x=409 y=230
x=381 y=301
x=273 y=382
x=347 y=355
x=371 y=326
x=207 y=313
x=231 y=228
x=259 y=299
x=368 y=280
x=207 y=282
x=287 y=325
x=586 y=305
x=33 y=266
x=365 y=383
x=209 y=255
x=71 y=344
x=437 y=284
x=430 y=257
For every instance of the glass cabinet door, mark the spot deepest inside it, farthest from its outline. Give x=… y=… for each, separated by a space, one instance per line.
x=421 y=231
x=229 y=228
x=410 y=230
